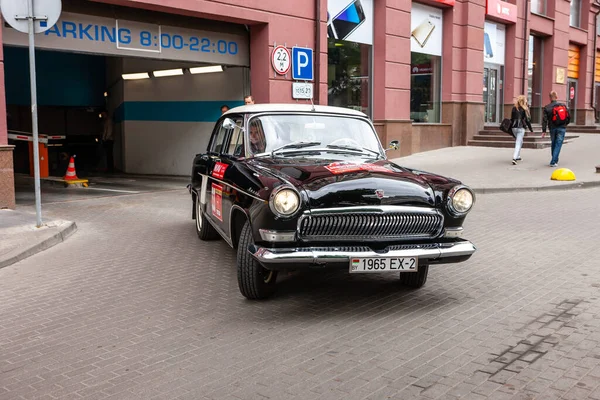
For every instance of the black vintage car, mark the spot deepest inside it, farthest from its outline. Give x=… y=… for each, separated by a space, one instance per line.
x=299 y=186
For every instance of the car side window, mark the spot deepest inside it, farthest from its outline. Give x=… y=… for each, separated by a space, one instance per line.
x=218 y=140
x=236 y=142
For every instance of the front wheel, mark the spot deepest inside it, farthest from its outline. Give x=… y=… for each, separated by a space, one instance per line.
x=255 y=281
x=415 y=280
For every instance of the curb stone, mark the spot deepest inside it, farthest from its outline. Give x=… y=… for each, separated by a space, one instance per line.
x=569 y=186
x=63 y=233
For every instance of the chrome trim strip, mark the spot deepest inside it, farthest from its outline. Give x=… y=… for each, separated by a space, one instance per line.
x=204 y=185
x=327 y=255
x=373 y=209
x=235 y=187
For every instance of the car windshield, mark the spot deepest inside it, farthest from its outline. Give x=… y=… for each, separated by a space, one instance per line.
x=285 y=133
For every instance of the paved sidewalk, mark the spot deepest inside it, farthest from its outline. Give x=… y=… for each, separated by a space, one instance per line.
x=490 y=169
x=19 y=237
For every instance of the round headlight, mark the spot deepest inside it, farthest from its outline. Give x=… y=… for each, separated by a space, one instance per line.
x=462 y=200
x=285 y=202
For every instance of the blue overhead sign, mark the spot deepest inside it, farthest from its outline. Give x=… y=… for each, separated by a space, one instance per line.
x=302 y=64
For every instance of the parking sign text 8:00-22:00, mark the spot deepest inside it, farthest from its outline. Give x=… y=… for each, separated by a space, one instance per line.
x=193 y=43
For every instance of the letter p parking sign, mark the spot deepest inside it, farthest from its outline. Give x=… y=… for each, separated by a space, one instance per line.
x=302 y=63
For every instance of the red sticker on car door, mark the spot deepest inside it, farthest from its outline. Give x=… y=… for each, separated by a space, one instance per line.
x=217 y=201
x=219 y=170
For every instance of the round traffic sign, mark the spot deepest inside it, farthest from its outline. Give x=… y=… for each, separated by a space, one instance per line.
x=572 y=93
x=15 y=13
x=281 y=60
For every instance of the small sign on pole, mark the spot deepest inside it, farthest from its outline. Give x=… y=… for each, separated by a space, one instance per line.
x=303 y=66
x=302 y=90
x=28 y=18
x=281 y=60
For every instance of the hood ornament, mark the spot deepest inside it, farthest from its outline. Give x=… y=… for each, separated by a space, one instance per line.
x=379 y=194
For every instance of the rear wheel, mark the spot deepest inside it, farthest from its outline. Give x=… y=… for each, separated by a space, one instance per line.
x=204 y=229
x=255 y=281
x=415 y=280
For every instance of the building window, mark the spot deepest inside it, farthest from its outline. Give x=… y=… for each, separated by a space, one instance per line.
x=426 y=64
x=538 y=6
x=575 y=19
x=349 y=54
x=425 y=87
x=348 y=75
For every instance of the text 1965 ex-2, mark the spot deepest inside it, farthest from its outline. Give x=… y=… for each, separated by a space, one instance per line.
x=295 y=186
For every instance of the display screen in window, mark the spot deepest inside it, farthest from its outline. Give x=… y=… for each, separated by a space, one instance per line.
x=425 y=88
x=348 y=75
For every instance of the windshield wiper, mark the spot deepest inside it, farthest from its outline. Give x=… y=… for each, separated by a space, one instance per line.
x=295 y=145
x=359 y=149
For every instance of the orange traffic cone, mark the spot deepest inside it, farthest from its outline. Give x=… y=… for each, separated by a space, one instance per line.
x=71 y=175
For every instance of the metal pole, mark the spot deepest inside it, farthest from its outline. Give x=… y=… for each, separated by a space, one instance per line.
x=34 y=117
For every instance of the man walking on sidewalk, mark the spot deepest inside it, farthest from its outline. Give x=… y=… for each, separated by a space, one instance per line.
x=556 y=118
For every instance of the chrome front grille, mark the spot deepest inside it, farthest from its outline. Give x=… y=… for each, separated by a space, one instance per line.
x=373 y=223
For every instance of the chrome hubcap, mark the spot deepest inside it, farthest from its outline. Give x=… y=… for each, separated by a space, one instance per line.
x=198 y=215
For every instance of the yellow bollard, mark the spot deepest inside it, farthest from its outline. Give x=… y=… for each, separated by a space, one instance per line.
x=563 y=174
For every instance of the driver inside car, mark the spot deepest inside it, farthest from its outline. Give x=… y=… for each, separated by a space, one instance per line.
x=257 y=138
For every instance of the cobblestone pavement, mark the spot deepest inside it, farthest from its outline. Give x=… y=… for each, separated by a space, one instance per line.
x=134 y=306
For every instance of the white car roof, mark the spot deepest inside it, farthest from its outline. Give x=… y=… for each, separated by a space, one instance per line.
x=284 y=107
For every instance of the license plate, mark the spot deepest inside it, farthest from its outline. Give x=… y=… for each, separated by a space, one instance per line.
x=384 y=264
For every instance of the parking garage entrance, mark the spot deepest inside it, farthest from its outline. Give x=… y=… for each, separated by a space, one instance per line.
x=125 y=88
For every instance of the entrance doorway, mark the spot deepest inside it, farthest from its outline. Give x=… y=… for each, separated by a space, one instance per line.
x=121 y=100
x=492 y=92
x=572 y=98
x=535 y=78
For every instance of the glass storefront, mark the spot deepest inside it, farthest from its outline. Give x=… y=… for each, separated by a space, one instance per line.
x=494 y=38
x=348 y=75
x=425 y=87
x=425 y=64
x=493 y=93
x=349 y=54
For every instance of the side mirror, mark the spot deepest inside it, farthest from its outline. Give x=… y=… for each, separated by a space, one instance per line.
x=228 y=123
x=394 y=145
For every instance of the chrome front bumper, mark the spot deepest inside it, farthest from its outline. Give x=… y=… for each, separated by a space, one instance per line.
x=291 y=258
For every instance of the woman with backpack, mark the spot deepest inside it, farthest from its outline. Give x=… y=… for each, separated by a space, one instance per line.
x=520 y=118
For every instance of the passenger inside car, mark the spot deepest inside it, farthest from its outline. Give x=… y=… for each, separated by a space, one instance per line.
x=257 y=138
